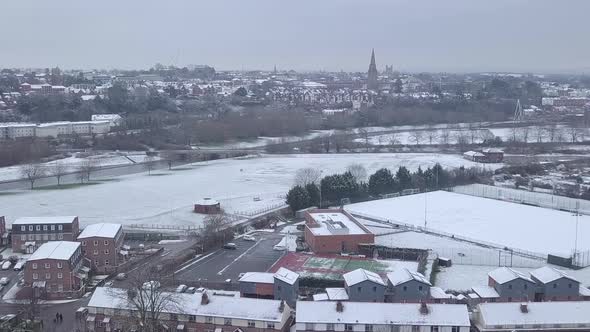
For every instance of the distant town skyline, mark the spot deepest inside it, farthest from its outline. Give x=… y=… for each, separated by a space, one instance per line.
x=540 y=36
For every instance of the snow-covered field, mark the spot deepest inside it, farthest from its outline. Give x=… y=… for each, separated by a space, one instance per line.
x=168 y=199
x=102 y=160
x=514 y=225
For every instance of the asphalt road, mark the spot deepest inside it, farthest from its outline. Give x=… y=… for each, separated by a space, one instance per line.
x=47 y=314
x=224 y=264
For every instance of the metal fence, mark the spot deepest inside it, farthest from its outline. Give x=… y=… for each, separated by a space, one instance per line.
x=525 y=197
x=487 y=257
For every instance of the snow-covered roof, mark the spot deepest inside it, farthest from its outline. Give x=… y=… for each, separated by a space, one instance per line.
x=286 y=275
x=485 y=292
x=62 y=250
x=335 y=223
x=505 y=274
x=546 y=314
x=548 y=274
x=492 y=150
x=190 y=304
x=321 y=297
x=382 y=313
x=105 y=116
x=207 y=201
x=473 y=154
x=100 y=230
x=439 y=293
x=360 y=275
x=44 y=220
x=258 y=277
x=400 y=276
x=584 y=291
x=337 y=294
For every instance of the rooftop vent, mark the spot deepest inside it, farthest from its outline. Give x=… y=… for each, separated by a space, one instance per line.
x=524 y=308
x=204 y=299
x=424 y=308
x=339 y=306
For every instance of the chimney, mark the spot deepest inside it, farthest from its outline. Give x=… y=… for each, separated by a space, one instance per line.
x=423 y=308
x=282 y=306
x=524 y=308
x=339 y=306
x=204 y=298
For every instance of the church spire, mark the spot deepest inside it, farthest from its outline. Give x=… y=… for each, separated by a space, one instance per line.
x=372 y=59
x=372 y=74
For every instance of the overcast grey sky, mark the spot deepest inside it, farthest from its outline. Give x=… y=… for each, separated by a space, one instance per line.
x=412 y=35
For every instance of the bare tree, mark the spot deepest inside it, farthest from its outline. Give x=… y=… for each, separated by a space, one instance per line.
x=170 y=157
x=445 y=137
x=393 y=139
x=524 y=133
x=473 y=133
x=574 y=133
x=416 y=136
x=150 y=163
x=217 y=229
x=87 y=167
x=32 y=172
x=340 y=141
x=358 y=171
x=462 y=139
x=514 y=134
x=431 y=135
x=305 y=176
x=145 y=299
x=58 y=170
x=539 y=133
x=364 y=134
x=485 y=135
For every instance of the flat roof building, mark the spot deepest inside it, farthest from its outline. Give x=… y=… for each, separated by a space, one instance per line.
x=334 y=231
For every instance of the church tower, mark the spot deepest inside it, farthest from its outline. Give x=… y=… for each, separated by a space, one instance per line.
x=372 y=74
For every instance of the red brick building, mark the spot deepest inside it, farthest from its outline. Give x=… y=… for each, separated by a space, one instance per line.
x=3 y=233
x=55 y=270
x=207 y=206
x=102 y=244
x=30 y=233
x=331 y=231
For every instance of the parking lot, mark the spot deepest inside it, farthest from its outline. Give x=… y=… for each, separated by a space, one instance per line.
x=223 y=264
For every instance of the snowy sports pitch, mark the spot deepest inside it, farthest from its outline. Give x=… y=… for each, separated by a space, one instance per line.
x=483 y=220
x=167 y=199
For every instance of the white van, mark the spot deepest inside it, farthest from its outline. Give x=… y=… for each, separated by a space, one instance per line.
x=6 y=265
x=19 y=265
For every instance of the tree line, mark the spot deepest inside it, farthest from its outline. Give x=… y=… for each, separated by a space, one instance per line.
x=310 y=189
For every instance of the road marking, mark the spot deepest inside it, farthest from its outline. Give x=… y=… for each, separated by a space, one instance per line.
x=198 y=259
x=239 y=257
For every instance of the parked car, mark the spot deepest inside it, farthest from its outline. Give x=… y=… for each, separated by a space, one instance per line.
x=248 y=238
x=191 y=290
x=19 y=265
x=6 y=265
x=151 y=285
x=230 y=246
x=181 y=289
x=4 y=281
x=121 y=276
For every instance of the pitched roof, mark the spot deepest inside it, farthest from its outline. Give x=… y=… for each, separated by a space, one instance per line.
x=505 y=274
x=337 y=294
x=360 y=275
x=382 y=313
x=100 y=230
x=400 y=276
x=485 y=292
x=62 y=250
x=44 y=220
x=258 y=277
x=538 y=313
x=286 y=275
x=548 y=274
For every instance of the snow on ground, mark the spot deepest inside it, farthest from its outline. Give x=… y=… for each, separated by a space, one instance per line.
x=485 y=220
x=168 y=199
x=103 y=160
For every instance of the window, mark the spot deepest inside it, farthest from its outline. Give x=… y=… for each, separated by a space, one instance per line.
x=509 y=286
x=173 y=316
x=359 y=289
x=374 y=288
x=309 y=326
x=52 y=227
x=455 y=329
x=434 y=329
x=95 y=252
x=270 y=325
x=106 y=262
x=38 y=227
x=419 y=288
x=227 y=321
x=60 y=227
x=59 y=265
x=106 y=252
x=96 y=262
x=348 y=327
x=52 y=237
x=368 y=328
x=330 y=327
x=38 y=237
x=60 y=236
x=554 y=285
x=279 y=287
x=35 y=276
x=31 y=237
x=192 y=318
x=34 y=266
x=106 y=242
x=47 y=265
x=44 y=227
x=83 y=243
x=23 y=237
x=60 y=288
x=95 y=243
x=251 y=323
x=405 y=288
x=47 y=276
x=415 y=328
x=30 y=228
x=526 y=286
x=569 y=285
x=23 y=228
x=60 y=275
x=209 y=320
